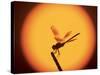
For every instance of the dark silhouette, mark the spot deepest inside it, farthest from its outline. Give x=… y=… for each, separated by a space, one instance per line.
x=59 y=45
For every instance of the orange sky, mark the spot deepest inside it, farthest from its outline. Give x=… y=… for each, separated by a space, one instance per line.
x=37 y=38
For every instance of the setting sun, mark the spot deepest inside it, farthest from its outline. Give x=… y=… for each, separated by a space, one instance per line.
x=37 y=38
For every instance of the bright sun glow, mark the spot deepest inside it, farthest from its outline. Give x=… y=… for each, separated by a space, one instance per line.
x=37 y=38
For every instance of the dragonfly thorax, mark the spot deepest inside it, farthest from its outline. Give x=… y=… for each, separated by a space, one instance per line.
x=58 y=45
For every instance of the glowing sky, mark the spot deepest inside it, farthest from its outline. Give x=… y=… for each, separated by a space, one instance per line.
x=37 y=38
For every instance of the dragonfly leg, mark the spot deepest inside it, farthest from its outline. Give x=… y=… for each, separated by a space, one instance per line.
x=58 y=52
x=55 y=51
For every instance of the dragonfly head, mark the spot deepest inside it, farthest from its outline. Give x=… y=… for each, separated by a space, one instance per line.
x=53 y=47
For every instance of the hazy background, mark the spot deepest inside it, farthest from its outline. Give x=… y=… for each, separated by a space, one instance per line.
x=5 y=27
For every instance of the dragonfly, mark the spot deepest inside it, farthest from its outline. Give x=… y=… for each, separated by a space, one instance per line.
x=61 y=41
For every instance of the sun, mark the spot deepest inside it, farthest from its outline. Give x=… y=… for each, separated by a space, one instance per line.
x=37 y=38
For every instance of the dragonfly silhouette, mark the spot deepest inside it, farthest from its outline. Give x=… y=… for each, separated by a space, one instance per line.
x=61 y=40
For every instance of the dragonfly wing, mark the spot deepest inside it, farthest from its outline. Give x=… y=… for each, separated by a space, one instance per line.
x=67 y=34
x=55 y=30
x=72 y=40
x=58 y=39
x=56 y=33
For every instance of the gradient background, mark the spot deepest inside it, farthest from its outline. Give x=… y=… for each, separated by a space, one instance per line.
x=19 y=64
